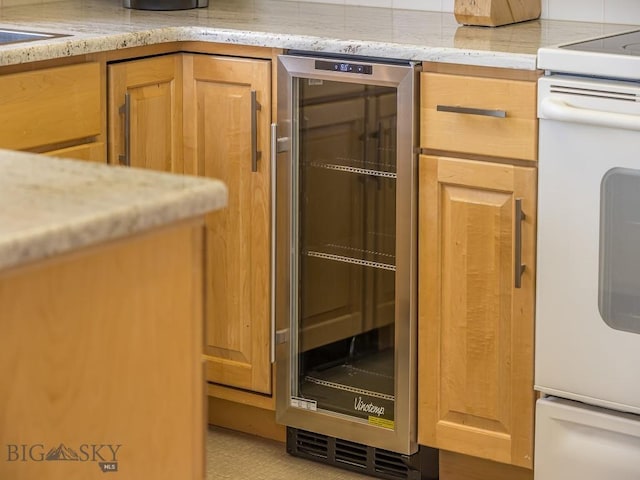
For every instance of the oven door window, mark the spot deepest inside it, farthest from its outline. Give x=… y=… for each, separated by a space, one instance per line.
x=619 y=282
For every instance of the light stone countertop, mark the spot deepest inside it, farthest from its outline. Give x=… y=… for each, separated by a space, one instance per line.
x=51 y=206
x=100 y=25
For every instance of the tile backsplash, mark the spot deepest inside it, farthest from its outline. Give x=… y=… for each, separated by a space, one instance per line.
x=605 y=11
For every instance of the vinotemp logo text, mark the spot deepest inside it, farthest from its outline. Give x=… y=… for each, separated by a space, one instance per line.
x=360 y=405
x=105 y=455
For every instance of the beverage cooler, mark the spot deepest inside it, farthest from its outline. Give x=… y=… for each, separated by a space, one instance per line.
x=345 y=261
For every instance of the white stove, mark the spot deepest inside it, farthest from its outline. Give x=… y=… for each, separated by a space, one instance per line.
x=613 y=56
x=588 y=261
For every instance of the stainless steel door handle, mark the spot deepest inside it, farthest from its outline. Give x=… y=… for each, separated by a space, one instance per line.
x=519 y=268
x=274 y=154
x=125 y=109
x=472 y=111
x=255 y=154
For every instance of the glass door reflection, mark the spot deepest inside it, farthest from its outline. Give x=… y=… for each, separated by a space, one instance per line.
x=346 y=248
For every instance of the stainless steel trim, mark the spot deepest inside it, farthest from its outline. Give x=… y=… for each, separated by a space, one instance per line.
x=125 y=109
x=273 y=159
x=472 y=111
x=403 y=437
x=255 y=154
x=282 y=336
x=518 y=267
x=284 y=144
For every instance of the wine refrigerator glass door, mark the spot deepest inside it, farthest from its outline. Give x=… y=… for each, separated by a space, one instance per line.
x=346 y=248
x=344 y=275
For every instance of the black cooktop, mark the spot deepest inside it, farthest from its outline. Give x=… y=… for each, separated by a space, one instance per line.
x=621 y=44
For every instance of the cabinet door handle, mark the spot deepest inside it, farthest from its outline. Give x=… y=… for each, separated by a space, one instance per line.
x=518 y=266
x=472 y=111
x=255 y=154
x=274 y=154
x=125 y=109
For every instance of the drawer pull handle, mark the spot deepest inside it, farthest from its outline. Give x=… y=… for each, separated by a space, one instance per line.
x=255 y=154
x=518 y=266
x=472 y=111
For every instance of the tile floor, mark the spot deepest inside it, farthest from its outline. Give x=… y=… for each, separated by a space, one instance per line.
x=238 y=456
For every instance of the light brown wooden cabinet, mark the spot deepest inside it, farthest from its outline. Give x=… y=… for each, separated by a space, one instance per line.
x=477 y=217
x=495 y=117
x=220 y=143
x=192 y=113
x=476 y=325
x=54 y=110
x=101 y=345
x=145 y=113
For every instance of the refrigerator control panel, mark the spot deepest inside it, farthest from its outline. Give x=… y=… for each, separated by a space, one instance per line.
x=344 y=67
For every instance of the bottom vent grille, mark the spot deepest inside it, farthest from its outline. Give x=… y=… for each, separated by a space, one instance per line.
x=360 y=458
x=390 y=464
x=351 y=453
x=312 y=444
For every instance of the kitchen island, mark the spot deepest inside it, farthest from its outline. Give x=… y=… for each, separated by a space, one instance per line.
x=101 y=318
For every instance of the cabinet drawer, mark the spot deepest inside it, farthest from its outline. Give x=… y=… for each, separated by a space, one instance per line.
x=480 y=116
x=49 y=106
x=90 y=152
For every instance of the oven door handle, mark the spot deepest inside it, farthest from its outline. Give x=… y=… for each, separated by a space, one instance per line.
x=556 y=109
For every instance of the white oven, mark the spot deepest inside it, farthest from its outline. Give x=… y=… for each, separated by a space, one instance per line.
x=588 y=266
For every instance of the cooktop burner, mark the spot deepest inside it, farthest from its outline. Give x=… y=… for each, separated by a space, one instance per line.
x=614 y=57
x=621 y=44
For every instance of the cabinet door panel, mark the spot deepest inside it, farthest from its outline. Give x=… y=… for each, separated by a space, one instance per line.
x=153 y=87
x=218 y=143
x=476 y=328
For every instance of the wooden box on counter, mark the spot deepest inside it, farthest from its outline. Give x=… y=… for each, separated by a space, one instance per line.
x=493 y=13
